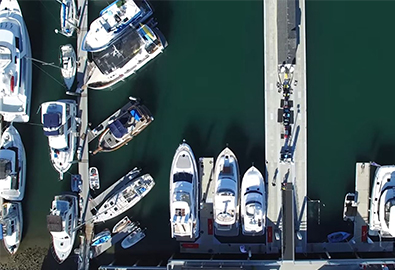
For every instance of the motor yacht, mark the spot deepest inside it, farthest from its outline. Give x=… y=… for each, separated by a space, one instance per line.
x=60 y=126
x=15 y=64
x=12 y=226
x=184 y=194
x=227 y=185
x=253 y=203
x=12 y=165
x=68 y=64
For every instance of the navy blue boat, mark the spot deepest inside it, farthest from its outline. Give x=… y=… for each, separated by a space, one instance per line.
x=338 y=237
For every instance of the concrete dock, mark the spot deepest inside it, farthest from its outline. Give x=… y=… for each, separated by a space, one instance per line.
x=283 y=22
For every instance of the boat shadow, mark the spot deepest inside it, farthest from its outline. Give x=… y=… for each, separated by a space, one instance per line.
x=237 y=140
x=197 y=140
x=50 y=263
x=164 y=14
x=144 y=88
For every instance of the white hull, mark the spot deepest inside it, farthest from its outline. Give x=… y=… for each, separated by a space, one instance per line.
x=94 y=179
x=382 y=203
x=13 y=223
x=253 y=203
x=184 y=194
x=14 y=100
x=69 y=65
x=12 y=140
x=227 y=185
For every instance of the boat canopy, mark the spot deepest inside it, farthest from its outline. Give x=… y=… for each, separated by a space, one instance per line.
x=5 y=168
x=52 y=122
x=182 y=176
x=117 y=129
x=54 y=223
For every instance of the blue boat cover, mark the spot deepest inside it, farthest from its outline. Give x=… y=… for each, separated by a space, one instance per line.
x=337 y=237
x=52 y=120
x=135 y=114
x=1 y=231
x=117 y=129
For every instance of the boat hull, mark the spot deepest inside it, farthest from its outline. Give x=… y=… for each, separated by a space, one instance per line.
x=11 y=242
x=68 y=70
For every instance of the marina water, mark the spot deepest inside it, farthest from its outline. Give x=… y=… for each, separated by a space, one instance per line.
x=207 y=87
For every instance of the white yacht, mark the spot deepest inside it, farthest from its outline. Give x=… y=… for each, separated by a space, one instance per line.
x=15 y=64
x=125 y=197
x=184 y=194
x=12 y=165
x=12 y=225
x=130 y=52
x=68 y=17
x=68 y=64
x=60 y=126
x=113 y=21
x=253 y=203
x=227 y=185
x=61 y=223
x=382 y=203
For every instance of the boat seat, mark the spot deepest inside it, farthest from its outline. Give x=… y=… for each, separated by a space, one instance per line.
x=227 y=169
x=117 y=129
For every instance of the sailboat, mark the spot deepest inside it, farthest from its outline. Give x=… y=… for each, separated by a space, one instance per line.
x=68 y=15
x=68 y=64
x=253 y=203
x=12 y=165
x=227 y=185
x=60 y=126
x=184 y=194
x=15 y=64
x=12 y=226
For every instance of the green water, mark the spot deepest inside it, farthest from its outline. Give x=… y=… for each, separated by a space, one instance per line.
x=207 y=87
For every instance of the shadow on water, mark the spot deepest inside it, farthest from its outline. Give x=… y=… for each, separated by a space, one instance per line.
x=50 y=263
x=256 y=156
x=197 y=140
x=144 y=88
x=237 y=141
x=163 y=13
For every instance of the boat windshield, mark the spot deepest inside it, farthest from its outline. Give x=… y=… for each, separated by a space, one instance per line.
x=182 y=196
x=252 y=208
x=5 y=56
x=225 y=192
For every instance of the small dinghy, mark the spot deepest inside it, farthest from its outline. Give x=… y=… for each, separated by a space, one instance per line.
x=337 y=237
x=133 y=238
x=94 y=180
x=67 y=60
x=122 y=224
x=12 y=226
x=101 y=238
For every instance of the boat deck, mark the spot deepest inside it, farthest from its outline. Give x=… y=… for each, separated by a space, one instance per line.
x=96 y=251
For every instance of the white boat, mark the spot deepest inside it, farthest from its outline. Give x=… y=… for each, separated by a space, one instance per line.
x=113 y=21
x=61 y=223
x=68 y=17
x=382 y=203
x=133 y=238
x=101 y=238
x=227 y=185
x=125 y=197
x=253 y=203
x=12 y=165
x=122 y=224
x=15 y=64
x=94 y=180
x=350 y=207
x=60 y=126
x=130 y=52
x=68 y=64
x=12 y=226
x=184 y=194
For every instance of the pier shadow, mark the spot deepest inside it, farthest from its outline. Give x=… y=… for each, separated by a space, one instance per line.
x=164 y=15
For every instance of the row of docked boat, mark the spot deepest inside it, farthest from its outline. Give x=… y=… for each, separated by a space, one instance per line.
x=229 y=196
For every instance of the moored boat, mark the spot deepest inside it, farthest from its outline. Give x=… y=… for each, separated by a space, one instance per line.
x=15 y=64
x=350 y=207
x=338 y=237
x=68 y=64
x=60 y=126
x=94 y=180
x=227 y=185
x=122 y=126
x=12 y=225
x=253 y=203
x=68 y=17
x=61 y=223
x=126 y=55
x=122 y=224
x=12 y=165
x=101 y=238
x=184 y=194
x=115 y=19
x=126 y=196
x=133 y=238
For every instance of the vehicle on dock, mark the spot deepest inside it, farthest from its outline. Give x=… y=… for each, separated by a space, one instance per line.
x=126 y=55
x=133 y=238
x=94 y=180
x=382 y=203
x=12 y=165
x=227 y=186
x=122 y=224
x=61 y=223
x=126 y=196
x=68 y=64
x=253 y=203
x=15 y=64
x=68 y=17
x=101 y=238
x=350 y=207
x=12 y=222
x=122 y=126
x=60 y=126
x=184 y=194
x=118 y=17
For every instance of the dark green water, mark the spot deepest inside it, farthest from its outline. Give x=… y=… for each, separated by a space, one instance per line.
x=207 y=87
